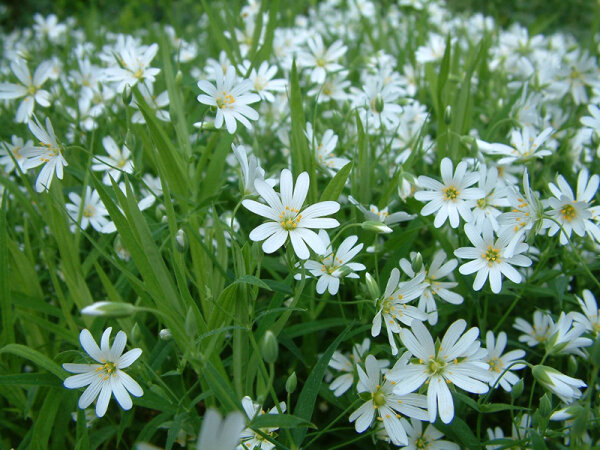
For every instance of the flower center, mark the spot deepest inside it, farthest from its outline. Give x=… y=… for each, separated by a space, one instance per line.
x=105 y=371
x=289 y=218
x=122 y=163
x=16 y=152
x=225 y=101
x=139 y=74
x=435 y=366
x=31 y=90
x=327 y=89
x=450 y=193
x=422 y=442
x=482 y=203
x=259 y=83
x=379 y=398
x=321 y=62
x=568 y=212
x=495 y=365
x=492 y=255
x=89 y=211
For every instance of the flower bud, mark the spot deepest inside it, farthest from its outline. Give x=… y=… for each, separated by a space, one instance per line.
x=545 y=408
x=595 y=353
x=120 y=249
x=448 y=115
x=109 y=309
x=165 y=334
x=372 y=286
x=417 y=262
x=291 y=383
x=178 y=78
x=572 y=364
x=181 y=242
x=269 y=347
x=379 y=104
x=127 y=95
x=377 y=227
x=159 y=212
x=517 y=389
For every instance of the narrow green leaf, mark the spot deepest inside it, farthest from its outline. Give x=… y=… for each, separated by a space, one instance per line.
x=301 y=156
x=458 y=431
x=43 y=426
x=337 y=183
x=251 y=279
x=279 y=420
x=35 y=357
x=30 y=379
x=308 y=395
x=8 y=332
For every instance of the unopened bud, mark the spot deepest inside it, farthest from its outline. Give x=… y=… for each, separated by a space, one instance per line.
x=291 y=383
x=269 y=347
x=160 y=211
x=572 y=365
x=129 y=140
x=377 y=227
x=136 y=333
x=109 y=309
x=595 y=353
x=545 y=408
x=448 y=115
x=120 y=249
x=165 y=334
x=379 y=104
x=178 y=78
x=372 y=286
x=517 y=389
x=127 y=95
x=417 y=262
x=181 y=241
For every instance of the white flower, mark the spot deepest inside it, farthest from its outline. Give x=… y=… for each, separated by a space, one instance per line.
x=30 y=88
x=50 y=154
x=499 y=363
x=107 y=377
x=433 y=286
x=134 y=61
x=219 y=434
x=486 y=207
x=592 y=121
x=574 y=213
x=321 y=59
x=262 y=80
x=116 y=163
x=388 y=405
x=334 y=265
x=524 y=146
x=565 y=337
x=92 y=211
x=458 y=360
x=392 y=307
x=250 y=438
x=564 y=386
x=590 y=319
x=428 y=439
x=378 y=104
x=251 y=170
x=231 y=98
x=537 y=333
x=375 y=214
x=287 y=219
x=324 y=150
x=489 y=258
x=450 y=198
x=347 y=365
x=16 y=147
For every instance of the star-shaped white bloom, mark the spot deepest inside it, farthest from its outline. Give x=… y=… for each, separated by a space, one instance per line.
x=451 y=197
x=250 y=438
x=117 y=161
x=429 y=439
x=490 y=258
x=92 y=211
x=287 y=219
x=524 y=146
x=458 y=360
x=231 y=97
x=499 y=363
x=537 y=333
x=107 y=377
x=590 y=319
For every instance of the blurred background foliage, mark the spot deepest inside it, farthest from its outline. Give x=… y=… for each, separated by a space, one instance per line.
x=577 y=16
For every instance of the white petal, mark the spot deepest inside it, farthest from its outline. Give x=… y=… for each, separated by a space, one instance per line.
x=120 y=393
x=130 y=384
x=90 y=394
x=128 y=358
x=89 y=345
x=103 y=398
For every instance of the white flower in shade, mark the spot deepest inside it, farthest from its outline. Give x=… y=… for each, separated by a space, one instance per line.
x=525 y=217
x=564 y=386
x=117 y=161
x=347 y=365
x=375 y=214
x=489 y=258
x=324 y=150
x=134 y=61
x=219 y=434
x=433 y=286
x=92 y=211
x=518 y=433
x=30 y=88
x=593 y=120
x=388 y=405
x=333 y=88
x=524 y=146
x=262 y=80
x=107 y=377
x=333 y=265
x=486 y=208
x=16 y=147
x=451 y=197
x=392 y=307
x=432 y=51
x=250 y=438
x=499 y=363
x=590 y=319
x=50 y=155
x=156 y=102
x=539 y=332
x=425 y=439
x=320 y=59
x=378 y=104
x=251 y=170
x=565 y=337
x=287 y=218
x=458 y=360
x=574 y=213
x=231 y=98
